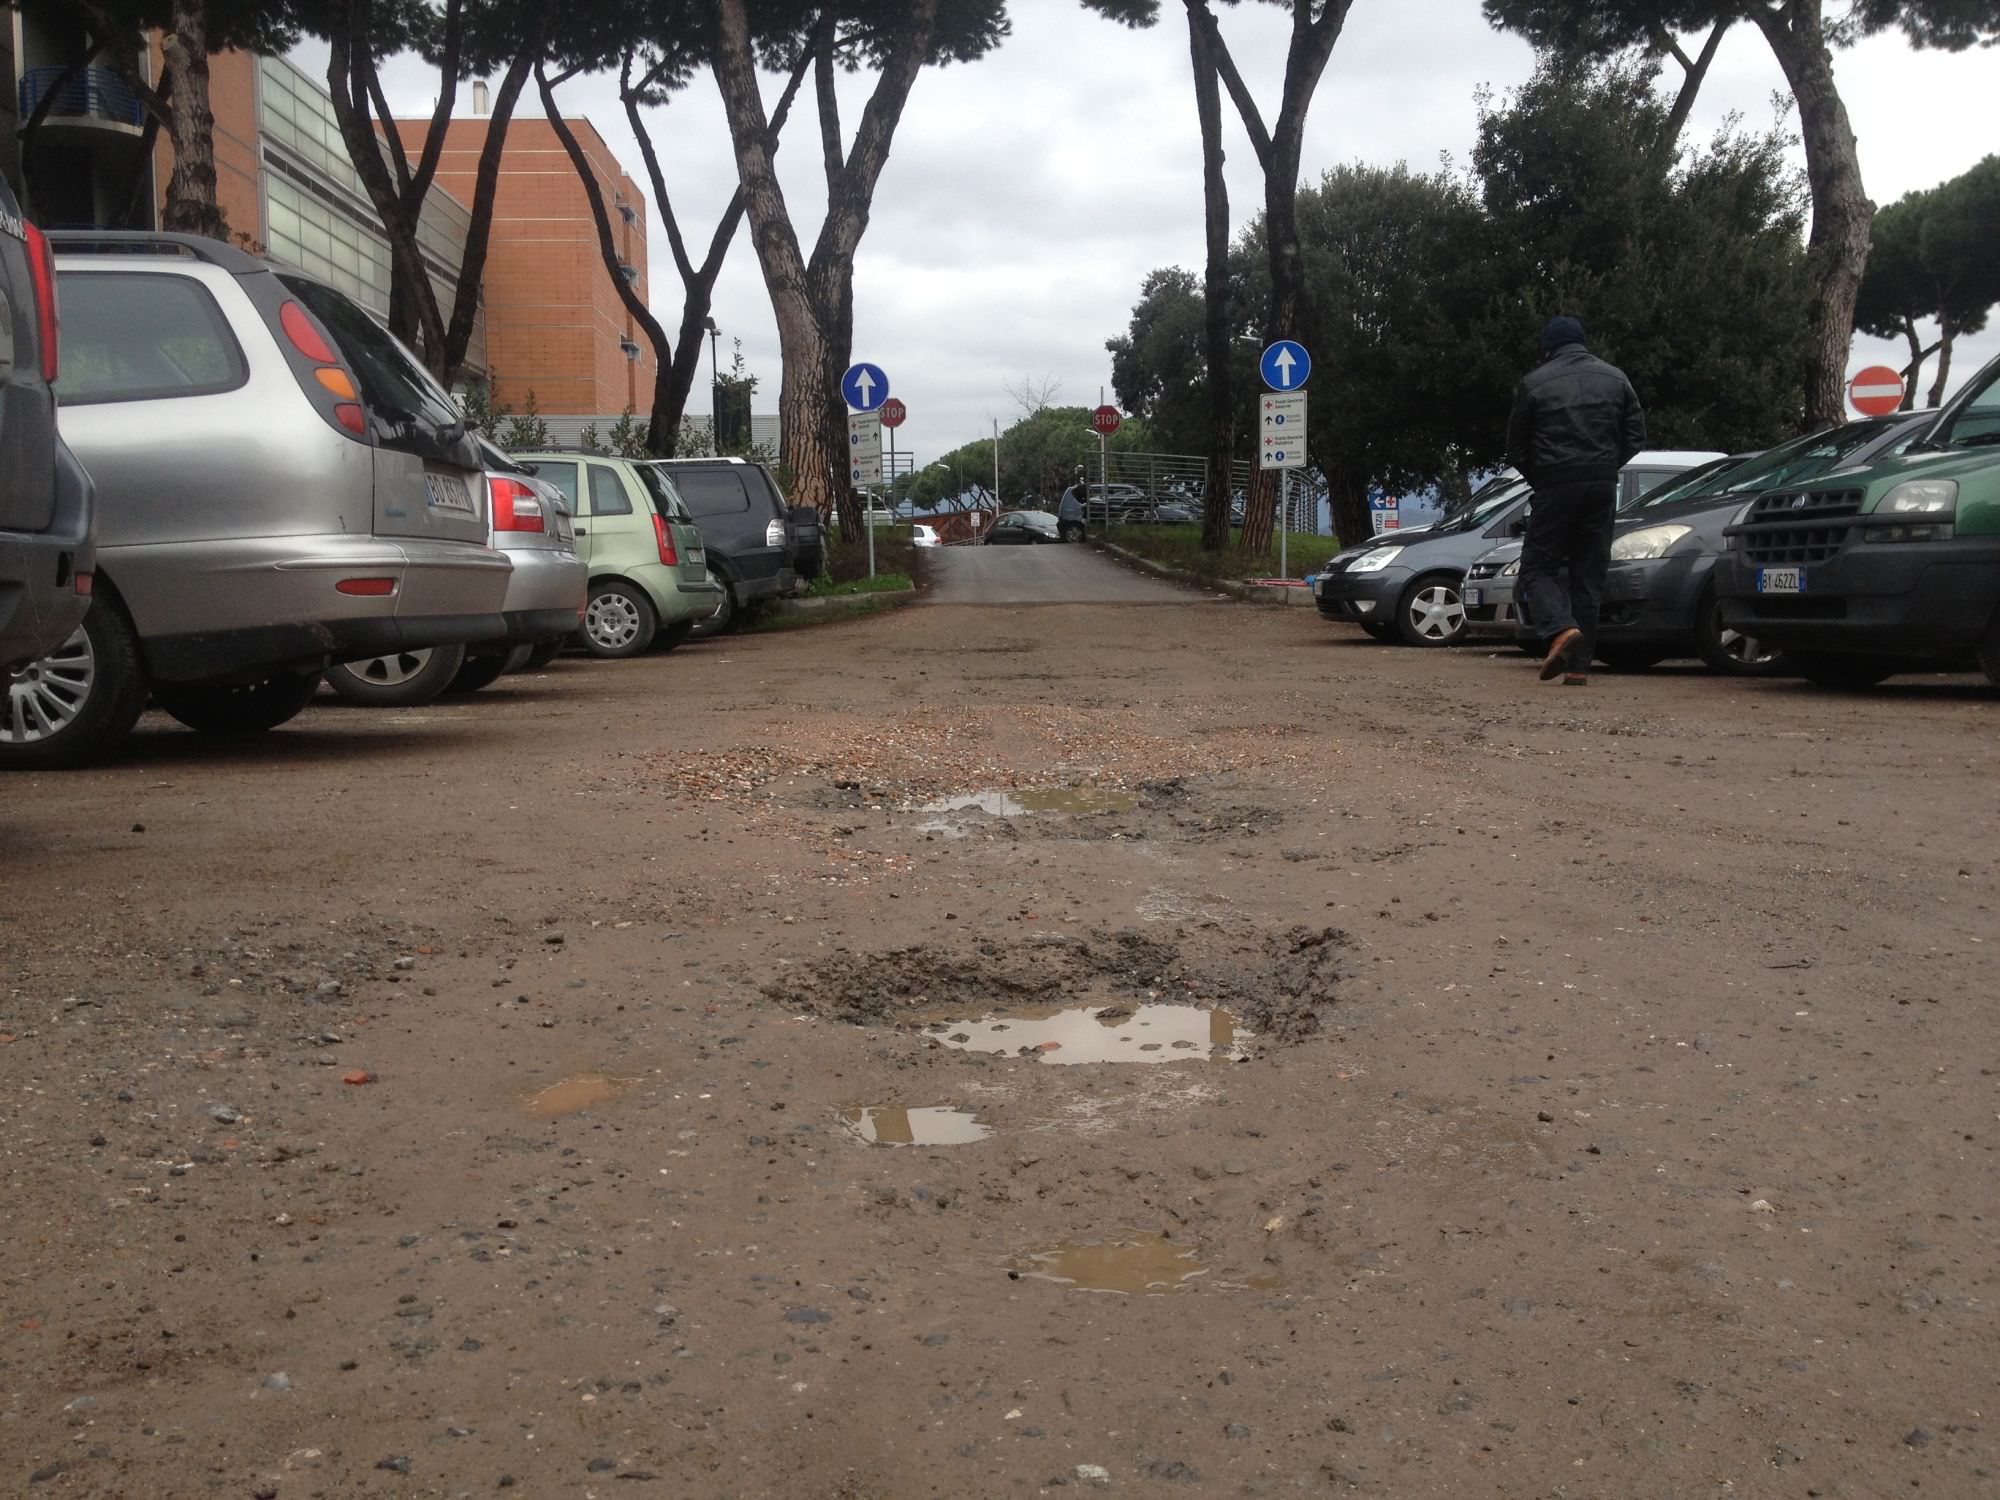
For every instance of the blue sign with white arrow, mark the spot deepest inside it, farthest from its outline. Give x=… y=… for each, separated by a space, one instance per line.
x=864 y=386
x=1285 y=365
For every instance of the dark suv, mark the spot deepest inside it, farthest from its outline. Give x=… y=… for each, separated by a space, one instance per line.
x=46 y=554
x=758 y=546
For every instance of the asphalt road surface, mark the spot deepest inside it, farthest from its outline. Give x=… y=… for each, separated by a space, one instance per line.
x=1055 y=574
x=1472 y=1088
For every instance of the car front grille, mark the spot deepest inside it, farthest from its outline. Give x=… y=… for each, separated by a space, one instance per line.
x=1799 y=530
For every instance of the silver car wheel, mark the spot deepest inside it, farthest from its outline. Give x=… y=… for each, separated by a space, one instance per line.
x=1437 y=613
x=611 y=621
x=44 y=697
x=1746 y=650
x=393 y=670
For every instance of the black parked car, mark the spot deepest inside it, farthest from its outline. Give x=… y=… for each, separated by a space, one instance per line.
x=758 y=546
x=46 y=500
x=1024 y=527
x=1660 y=596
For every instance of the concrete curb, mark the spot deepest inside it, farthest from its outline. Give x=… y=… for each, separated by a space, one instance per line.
x=1249 y=593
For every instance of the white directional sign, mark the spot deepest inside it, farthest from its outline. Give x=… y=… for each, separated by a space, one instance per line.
x=864 y=447
x=1281 y=422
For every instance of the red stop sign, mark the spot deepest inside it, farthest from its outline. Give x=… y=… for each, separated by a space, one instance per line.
x=1876 y=391
x=1105 y=419
x=893 y=412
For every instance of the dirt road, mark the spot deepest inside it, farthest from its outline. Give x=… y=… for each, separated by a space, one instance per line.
x=1555 y=1093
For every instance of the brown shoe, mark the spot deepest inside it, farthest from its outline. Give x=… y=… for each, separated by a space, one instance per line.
x=1561 y=649
x=1576 y=679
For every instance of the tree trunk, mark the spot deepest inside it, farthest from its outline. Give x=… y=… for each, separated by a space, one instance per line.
x=1948 y=334
x=191 y=206
x=1215 y=283
x=813 y=304
x=1694 y=71
x=1347 y=498
x=479 y=232
x=1913 y=372
x=1837 y=248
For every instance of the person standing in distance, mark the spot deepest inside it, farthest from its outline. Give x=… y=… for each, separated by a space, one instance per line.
x=1069 y=514
x=1576 y=422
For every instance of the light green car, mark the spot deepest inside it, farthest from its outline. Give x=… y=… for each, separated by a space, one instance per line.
x=649 y=578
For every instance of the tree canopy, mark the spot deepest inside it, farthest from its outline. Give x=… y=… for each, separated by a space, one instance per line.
x=1935 y=260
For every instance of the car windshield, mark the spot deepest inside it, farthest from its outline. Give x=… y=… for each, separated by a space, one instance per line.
x=1487 y=503
x=410 y=409
x=1973 y=419
x=1788 y=463
x=666 y=499
x=1453 y=509
x=1694 y=482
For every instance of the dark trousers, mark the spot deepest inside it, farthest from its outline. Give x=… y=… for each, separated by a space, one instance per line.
x=1569 y=528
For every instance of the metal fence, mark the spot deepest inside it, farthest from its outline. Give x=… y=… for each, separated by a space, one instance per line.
x=96 y=93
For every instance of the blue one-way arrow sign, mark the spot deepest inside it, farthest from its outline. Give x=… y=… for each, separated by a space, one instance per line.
x=864 y=386
x=1285 y=365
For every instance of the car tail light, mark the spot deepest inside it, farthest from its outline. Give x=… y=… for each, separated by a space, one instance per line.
x=366 y=588
x=668 y=556
x=334 y=379
x=305 y=338
x=515 y=506
x=85 y=582
x=42 y=267
x=774 y=534
x=352 y=417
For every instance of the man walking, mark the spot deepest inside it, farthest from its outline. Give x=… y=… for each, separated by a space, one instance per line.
x=1576 y=422
x=1069 y=514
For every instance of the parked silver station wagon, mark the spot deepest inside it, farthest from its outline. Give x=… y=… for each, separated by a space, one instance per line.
x=281 y=486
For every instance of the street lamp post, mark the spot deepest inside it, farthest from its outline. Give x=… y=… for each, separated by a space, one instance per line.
x=714 y=389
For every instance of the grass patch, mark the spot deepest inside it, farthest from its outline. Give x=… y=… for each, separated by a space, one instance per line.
x=896 y=555
x=824 y=587
x=1180 y=547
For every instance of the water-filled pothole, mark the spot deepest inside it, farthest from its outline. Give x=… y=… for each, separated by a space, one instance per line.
x=574 y=1095
x=1151 y=1265
x=1103 y=1034
x=1070 y=801
x=928 y=1125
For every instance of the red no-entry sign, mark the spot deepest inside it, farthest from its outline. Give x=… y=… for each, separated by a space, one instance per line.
x=893 y=412
x=1105 y=419
x=1876 y=391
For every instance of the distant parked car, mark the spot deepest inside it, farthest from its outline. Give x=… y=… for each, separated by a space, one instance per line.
x=758 y=546
x=529 y=520
x=1649 y=469
x=924 y=535
x=281 y=486
x=1024 y=527
x=47 y=551
x=650 y=578
x=1406 y=585
x=1894 y=567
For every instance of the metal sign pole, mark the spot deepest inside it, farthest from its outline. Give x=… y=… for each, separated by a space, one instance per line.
x=1284 y=521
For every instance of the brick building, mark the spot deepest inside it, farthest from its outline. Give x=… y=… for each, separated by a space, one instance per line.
x=555 y=324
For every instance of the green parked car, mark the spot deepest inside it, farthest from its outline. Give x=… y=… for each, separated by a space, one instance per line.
x=1860 y=574
x=649 y=578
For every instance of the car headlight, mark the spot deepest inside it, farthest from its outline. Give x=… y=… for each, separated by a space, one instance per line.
x=1376 y=561
x=1511 y=569
x=1647 y=542
x=1921 y=497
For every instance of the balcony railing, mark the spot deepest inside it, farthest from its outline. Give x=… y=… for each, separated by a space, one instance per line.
x=92 y=93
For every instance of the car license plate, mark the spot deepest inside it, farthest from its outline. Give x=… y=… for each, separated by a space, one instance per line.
x=1781 y=580
x=697 y=556
x=1475 y=597
x=447 y=492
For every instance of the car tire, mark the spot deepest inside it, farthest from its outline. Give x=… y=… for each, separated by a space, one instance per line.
x=402 y=679
x=540 y=656
x=239 y=709
x=78 y=702
x=725 y=611
x=1989 y=652
x=1070 y=531
x=1826 y=669
x=619 y=620
x=1628 y=658
x=1730 y=652
x=484 y=671
x=1376 y=630
x=1431 y=612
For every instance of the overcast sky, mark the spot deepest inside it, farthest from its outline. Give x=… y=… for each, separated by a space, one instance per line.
x=1028 y=194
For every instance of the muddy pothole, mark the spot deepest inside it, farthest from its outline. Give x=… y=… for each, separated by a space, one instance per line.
x=1061 y=801
x=572 y=1096
x=924 y=1125
x=1149 y=1265
x=1263 y=992
x=1103 y=1034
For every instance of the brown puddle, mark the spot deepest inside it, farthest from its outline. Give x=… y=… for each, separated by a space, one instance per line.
x=1102 y=1033
x=931 y=1125
x=1149 y=1266
x=1072 y=801
x=574 y=1095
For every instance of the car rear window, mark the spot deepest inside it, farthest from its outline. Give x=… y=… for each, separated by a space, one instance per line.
x=563 y=476
x=666 y=496
x=411 y=410
x=141 y=336
x=607 y=494
x=712 y=492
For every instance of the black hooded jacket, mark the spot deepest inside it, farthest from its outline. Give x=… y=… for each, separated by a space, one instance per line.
x=1576 y=420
